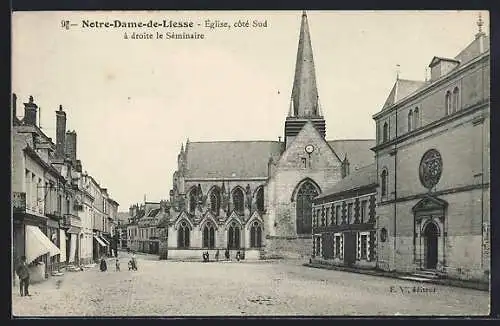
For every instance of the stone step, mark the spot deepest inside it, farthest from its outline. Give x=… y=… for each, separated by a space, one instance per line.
x=415 y=278
x=427 y=274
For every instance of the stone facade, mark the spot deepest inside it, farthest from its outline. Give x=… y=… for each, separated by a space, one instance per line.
x=344 y=221
x=442 y=226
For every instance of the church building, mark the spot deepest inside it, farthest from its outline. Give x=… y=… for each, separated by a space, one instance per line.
x=256 y=196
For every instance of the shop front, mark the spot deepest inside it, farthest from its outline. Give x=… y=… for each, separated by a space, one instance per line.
x=100 y=247
x=38 y=250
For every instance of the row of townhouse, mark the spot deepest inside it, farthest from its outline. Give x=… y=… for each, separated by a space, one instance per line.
x=61 y=216
x=143 y=232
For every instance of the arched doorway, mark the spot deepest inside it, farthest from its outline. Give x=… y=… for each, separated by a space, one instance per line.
x=431 y=234
x=305 y=195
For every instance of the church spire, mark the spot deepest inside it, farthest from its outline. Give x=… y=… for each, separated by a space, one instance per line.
x=305 y=92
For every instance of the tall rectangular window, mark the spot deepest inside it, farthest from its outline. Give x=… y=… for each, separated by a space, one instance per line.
x=34 y=192
x=337 y=245
x=364 y=246
x=304 y=162
x=59 y=204
x=364 y=206
x=337 y=214
x=349 y=213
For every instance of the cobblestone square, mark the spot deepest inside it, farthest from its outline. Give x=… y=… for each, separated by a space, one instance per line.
x=167 y=288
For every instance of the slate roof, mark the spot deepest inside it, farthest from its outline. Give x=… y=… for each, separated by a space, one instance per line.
x=229 y=159
x=357 y=150
x=401 y=89
x=363 y=177
x=153 y=212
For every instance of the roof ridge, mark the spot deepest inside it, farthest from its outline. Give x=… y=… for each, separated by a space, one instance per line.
x=412 y=80
x=233 y=141
x=352 y=139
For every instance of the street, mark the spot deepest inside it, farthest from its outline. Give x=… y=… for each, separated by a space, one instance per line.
x=167 y=288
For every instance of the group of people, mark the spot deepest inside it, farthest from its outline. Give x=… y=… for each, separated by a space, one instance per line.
x=132 y=264
x=206 y=256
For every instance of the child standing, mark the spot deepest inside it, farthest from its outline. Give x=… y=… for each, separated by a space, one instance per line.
x=117 y=264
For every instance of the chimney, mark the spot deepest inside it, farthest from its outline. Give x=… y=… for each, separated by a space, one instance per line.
x=70 y=145
x=14 y=106
x=30 y=112
x=60 y=132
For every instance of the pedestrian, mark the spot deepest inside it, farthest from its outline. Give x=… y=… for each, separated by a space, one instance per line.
x=238 y=255
x=130 y=265
x=217 y=255
x=226 y=253
x=117 y=264
x=134 y=261
x=24 y=277
x=104 y=266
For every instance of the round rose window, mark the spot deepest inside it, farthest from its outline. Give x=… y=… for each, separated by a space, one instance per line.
x=431 y=167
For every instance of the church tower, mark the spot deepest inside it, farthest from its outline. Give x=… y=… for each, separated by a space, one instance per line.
x=304 y=104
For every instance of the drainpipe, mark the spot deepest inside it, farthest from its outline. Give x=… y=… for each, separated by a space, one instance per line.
x=395 y=185
x=482 y=179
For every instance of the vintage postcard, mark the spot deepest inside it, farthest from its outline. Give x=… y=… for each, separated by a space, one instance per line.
x=250 y=163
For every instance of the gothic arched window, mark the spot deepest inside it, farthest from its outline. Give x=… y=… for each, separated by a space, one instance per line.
x=447 y=101
x=238 y=199
x=193 y=197
x=385 y=133
x=255 y=235
x=416 y=118
x=455 y=100
x=410 y=120
x=183 y=235
x=209 y=236
x=260 y=199
x=304 y=199
x=215 y=201
x=383 y=182
x=233 y=236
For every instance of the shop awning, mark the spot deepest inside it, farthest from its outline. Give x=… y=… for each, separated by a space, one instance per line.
x=73 y=229
x=37 y=244
x=100 y=241
x=105 y=241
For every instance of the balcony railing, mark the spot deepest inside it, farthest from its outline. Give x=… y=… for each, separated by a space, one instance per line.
x=19 y=202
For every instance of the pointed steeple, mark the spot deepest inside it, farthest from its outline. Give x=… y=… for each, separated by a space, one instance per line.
x=304 y=91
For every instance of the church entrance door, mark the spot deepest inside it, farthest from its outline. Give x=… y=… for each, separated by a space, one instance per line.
x=305 y=196
x=431 y=246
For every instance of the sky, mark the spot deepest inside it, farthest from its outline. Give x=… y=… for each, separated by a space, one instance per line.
x=133 y=102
